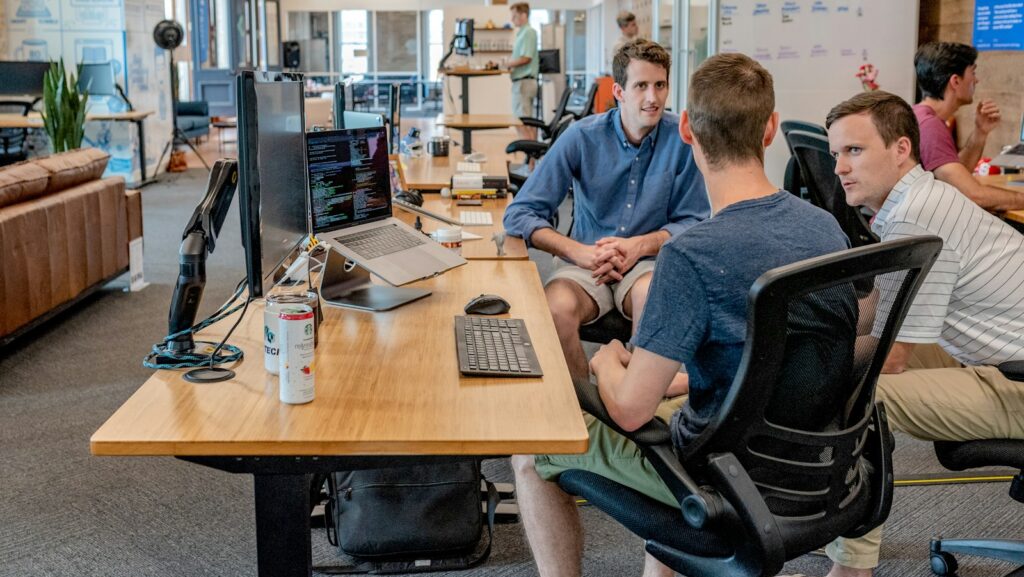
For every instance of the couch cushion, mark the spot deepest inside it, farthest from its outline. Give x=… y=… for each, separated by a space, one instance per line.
x=74 y=167
x=22 y=181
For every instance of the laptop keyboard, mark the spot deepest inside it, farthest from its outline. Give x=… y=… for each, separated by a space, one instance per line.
x=380 y=241
x=1017 y=149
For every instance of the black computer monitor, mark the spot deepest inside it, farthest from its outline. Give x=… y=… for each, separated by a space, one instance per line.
x=395 y=118
x=98 y=79
x=549 y=61
x=22 y=78
x=464 y=36
x=272 y=174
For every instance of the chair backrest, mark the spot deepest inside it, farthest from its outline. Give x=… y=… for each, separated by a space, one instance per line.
x=824 y=190
x=806 y=453
x=588 y=105
x=559 y=110
x=788 y=126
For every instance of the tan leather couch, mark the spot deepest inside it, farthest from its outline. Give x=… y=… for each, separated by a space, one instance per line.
x=64 y=233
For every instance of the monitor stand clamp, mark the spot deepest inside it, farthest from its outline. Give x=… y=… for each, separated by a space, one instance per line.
x=346 y=284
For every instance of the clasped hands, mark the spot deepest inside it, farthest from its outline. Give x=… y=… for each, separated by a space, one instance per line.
x=610 y=258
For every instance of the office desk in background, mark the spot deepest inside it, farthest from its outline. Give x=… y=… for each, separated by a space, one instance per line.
x=35 y=120
x=387 y=389
x=1012 y=183
x=482 y=249
x=467 y=123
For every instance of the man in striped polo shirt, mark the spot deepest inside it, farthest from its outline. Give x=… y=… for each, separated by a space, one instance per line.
x=969 y=310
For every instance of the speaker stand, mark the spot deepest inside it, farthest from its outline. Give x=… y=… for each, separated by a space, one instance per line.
x=178 y=137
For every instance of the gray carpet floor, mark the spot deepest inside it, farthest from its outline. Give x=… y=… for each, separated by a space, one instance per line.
x=66 y=513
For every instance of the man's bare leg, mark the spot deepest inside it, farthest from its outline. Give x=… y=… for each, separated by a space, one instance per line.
x=844 y=571
x=570 y=307
x=551 y=520
x=655 y=568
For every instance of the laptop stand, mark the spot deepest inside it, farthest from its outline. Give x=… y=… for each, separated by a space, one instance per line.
x=346 y=284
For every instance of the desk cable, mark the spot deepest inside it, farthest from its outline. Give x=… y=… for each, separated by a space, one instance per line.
x=162 y=357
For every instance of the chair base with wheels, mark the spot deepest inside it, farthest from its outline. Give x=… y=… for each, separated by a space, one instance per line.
x=611 y=326
x=967 y=455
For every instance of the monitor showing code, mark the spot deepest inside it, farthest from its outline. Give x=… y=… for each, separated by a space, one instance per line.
x=349 y=181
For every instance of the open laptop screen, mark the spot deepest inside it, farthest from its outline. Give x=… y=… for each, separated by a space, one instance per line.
x=349 y=180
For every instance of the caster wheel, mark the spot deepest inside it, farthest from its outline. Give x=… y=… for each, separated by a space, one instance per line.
x=943 y=564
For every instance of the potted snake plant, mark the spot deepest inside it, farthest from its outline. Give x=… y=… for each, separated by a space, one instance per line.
x=63 y=107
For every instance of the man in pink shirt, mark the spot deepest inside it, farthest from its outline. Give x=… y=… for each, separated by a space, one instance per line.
x=947 y=76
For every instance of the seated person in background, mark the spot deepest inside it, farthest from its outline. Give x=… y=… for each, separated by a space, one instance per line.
x=970 y=307
x=636 y=186
x=947 y=75
x=696 y=312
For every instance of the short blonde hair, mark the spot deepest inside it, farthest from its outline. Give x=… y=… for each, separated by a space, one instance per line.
x=625 y=18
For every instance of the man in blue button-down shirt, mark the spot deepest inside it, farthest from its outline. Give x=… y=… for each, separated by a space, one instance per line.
x=636 y=186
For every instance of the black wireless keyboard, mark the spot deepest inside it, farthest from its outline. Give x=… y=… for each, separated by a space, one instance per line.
x=495 y=347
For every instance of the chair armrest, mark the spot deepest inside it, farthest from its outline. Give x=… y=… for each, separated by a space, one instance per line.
x=1013 y=370
x=531 y=148
x=535 y=122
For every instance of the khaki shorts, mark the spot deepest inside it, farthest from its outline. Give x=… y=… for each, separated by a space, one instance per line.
x=614 y=457
x=606 y=296
x=524 y=92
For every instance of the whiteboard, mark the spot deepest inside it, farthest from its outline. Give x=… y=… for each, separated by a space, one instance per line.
x=814 y=48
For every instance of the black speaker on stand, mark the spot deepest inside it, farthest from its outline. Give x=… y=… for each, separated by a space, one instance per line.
x=291 y=54
x=168 y=35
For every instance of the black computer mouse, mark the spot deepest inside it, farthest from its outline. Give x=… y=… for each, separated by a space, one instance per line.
x=410 y=196
x=487 y=305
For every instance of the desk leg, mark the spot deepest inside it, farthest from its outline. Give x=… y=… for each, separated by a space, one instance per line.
x=467 y=141
x=283 y=544
x=465 y=94
x=142 y=151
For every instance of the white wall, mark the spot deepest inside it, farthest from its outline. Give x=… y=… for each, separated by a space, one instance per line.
x=331 y=5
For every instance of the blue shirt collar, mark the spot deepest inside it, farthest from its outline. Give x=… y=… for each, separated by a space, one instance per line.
x=652 y=136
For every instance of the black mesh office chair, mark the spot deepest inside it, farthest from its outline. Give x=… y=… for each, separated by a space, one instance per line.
x=12 y=140
x=754 y=492
x=588 y=104
x=984 y=453
x=547 y=129
x=791 y=179
x=817 y=172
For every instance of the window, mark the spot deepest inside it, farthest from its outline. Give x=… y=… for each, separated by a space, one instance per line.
x=435 y=42
x=355 y=41
x=539 y=18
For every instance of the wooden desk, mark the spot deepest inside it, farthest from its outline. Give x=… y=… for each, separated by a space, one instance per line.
x=432 y=173
x=387 y=385
x=467 y=123
x=483 y=249
x=1004 y=181
x=35 y=120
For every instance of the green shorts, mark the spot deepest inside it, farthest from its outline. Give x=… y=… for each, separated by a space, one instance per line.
x=614 y=457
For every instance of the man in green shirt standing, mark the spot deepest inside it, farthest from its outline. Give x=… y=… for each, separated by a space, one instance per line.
x=523 y=68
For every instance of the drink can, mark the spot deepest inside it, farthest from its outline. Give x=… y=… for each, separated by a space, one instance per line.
x=271 y=339
x=295 y=328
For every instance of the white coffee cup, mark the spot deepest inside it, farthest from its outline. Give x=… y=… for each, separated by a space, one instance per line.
x=450 y=238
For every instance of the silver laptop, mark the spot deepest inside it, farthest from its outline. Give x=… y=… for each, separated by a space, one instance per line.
x=350 y=208
x=1014 y=156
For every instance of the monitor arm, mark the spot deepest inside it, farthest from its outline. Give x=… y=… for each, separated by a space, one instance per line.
x=447 y=55
x=124 y=97
x=197 y=241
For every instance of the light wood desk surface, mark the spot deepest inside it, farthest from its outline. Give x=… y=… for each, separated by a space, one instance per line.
x=483 y=249
x=1004 y=181
x=473 y=72
x=432 y=173
x=386 y=384
x=478 y=121
x=35 y=120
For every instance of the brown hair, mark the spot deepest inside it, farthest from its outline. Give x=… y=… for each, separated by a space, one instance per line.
x=639 y=49
x=731 y=100
x=521 y=7
x=624 y=18
x=891 y=115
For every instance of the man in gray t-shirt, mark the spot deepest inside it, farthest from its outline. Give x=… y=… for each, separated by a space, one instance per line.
x=696 y=312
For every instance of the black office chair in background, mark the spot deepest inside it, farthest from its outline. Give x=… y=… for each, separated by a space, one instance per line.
x=791 y=179
x=958 y=456
x=824 y=190
x=547 y=129
x=754 y=492
x=588 y=104
x=12 y=140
